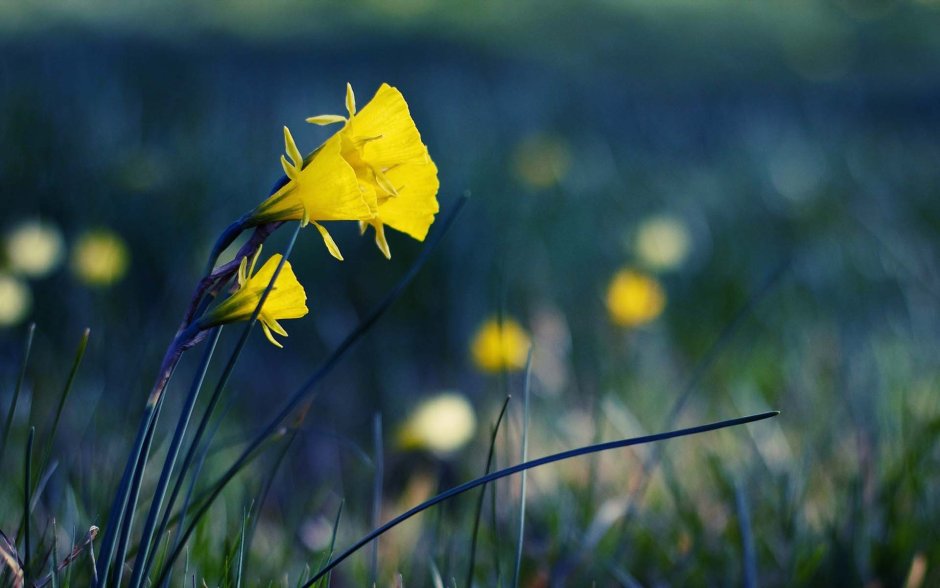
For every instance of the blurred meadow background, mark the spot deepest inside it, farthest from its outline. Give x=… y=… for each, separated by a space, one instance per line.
x=691 y=210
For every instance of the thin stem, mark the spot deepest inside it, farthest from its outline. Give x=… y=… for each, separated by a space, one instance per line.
x=479 y=509
x=523 y=476
x=27 y=488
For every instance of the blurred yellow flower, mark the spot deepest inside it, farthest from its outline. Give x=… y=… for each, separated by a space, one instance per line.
x=321 y=188
x=287 y=299
x=396 y=175
x=500 y=346
x=100 y=257
x=662 y=242
x=634 y=298
x=442 y=424
x=34 y=248
x=15 y=300
x=541 y=161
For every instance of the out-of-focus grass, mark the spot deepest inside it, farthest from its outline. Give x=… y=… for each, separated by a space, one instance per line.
x=805 y=139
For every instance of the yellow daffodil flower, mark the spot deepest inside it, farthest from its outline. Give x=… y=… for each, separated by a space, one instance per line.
x=634 y=298
x=287 y=299
x=499 y=346
x=395 y=173
x=322 y=187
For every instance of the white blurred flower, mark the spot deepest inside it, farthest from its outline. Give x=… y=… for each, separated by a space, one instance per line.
x=662 y=242
x=15 y=300
x=34 y=248
x=442 y=424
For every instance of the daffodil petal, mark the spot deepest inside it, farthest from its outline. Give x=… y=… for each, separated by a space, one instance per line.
x=350 y=100
x=380 y=240
x=328 y=240
x=382 y=180
x=289 y=170
x=291 y=148
x=276 y=327
x=267 y=333
x=326 y=119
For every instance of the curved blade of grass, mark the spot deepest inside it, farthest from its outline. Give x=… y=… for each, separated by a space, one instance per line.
x=302 y=394
x=479 y=509
x=571 y=453
x=169 y=462
x=523 y=475
x=8 y=424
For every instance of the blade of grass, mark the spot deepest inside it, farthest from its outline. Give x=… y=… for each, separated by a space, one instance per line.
x=480 y=499
x=169 y=462
x=326 y=367
x=120 y=505
x=564 y=455
x=79 y=355
x=27 y=488
x=8 y=424
x=747 y=537
x=339 y=513
x=128 y=523
x=53 y=563
x=378 y=473
x=523 y=475
x=239 y=566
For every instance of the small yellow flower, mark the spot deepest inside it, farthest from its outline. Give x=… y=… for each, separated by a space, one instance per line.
x=287 y=299
x=634 y=298
x=322 y=187
x=442 y=424
x=100 y=257
x=500 y=346
x=396 y=175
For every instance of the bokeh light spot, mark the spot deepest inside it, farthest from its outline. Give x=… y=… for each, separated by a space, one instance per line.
x=34 y=248
x=442 y=424
x=100 y=258
x=15 y=300
x=662 y=242
x=500 y=345
x=634 y=298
